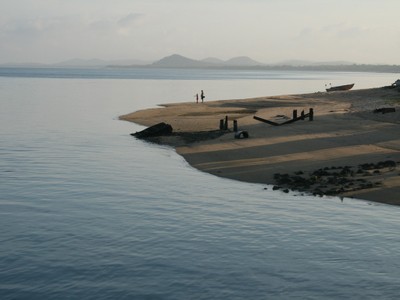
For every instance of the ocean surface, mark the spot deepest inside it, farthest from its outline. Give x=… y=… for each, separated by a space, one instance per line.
x=89 y=212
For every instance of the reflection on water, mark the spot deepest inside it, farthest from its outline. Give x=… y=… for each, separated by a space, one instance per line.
x=86 y=211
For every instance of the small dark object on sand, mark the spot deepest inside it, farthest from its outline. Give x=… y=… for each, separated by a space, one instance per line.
x=241 y=134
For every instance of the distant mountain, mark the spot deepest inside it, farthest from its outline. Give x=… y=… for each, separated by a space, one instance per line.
x=239 y=61
x=242 y=61
x=213 y=60
x=179 y=61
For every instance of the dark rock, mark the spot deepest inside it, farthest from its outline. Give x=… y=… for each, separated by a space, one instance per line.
x=320 y=173
x=155 y=130
x=386 y=164
x=367 y=166
x=384 y=110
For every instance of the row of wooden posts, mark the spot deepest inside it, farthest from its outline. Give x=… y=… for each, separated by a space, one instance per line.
x=223 y=123
x=310 y=115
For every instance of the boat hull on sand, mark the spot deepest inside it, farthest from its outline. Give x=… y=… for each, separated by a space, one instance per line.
x=345 y=87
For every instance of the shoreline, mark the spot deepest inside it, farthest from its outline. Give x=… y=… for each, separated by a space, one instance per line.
x=348 y=150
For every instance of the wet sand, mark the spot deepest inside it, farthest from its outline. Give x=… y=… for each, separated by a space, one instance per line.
x=348 y=150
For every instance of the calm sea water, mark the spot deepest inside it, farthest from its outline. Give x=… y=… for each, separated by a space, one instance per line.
x=88 y=212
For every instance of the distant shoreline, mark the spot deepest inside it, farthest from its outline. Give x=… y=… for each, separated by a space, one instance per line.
x=347 y=150
x=360 y=68
x=319 y=68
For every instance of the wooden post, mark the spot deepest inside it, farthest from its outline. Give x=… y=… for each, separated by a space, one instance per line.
x=294 y=113
x=311 y=117
x=221 y=124
x=302 y=115
x=235 y=125
x=226 y=123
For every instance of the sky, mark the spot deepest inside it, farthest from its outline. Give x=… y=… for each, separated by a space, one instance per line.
x=269 y=31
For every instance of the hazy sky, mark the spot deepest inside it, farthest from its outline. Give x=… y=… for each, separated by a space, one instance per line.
x=361 y=31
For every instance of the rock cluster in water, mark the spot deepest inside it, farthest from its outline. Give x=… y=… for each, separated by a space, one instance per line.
x=335 y=181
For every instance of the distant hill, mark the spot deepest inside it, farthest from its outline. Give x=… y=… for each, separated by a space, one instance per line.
x=213 y=60
x=245 y=63
x=239 y=63
x=179 y=61
x=242 y=61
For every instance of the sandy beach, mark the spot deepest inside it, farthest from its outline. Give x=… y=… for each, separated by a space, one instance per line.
x=351 y=148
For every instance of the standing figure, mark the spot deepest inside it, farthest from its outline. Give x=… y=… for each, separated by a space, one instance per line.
x=202 y=96
x=197 y=98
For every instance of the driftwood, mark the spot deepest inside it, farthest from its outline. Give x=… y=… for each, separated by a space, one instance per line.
x=302 y=117
x=266 y=121
x=295 y=118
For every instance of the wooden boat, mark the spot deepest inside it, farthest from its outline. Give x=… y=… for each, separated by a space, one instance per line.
x=345 y=87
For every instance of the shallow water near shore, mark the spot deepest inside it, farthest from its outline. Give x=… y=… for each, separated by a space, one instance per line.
x=89 y=212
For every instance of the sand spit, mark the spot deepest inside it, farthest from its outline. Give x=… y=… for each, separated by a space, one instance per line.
x=350 y=149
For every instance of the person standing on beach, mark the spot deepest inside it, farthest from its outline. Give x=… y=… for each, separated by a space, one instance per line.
x=197 y=98
x=202 y=96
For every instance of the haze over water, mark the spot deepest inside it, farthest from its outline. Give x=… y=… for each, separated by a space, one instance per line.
x=89 y=212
